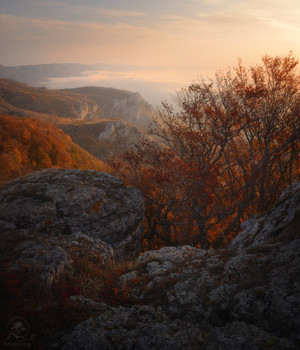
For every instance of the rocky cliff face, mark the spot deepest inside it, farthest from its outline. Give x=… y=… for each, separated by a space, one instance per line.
x=86 y=110
x=119 y=104
x=116 y=130
x=44 y=104
x=105 y=139
x=258 y=231
x=135 y=110
x=244 y=297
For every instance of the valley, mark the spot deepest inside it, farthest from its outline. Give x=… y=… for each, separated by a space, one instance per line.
x=103 y=121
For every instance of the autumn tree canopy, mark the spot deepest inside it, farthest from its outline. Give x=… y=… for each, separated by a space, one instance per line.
x=230 y=148
x=27 y=144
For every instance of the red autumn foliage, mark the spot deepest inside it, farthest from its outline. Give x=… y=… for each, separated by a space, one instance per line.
x=27 y=144
x=230 y=149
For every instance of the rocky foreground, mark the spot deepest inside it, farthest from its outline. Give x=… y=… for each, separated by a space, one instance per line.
x=72 y=203
x=243 y=297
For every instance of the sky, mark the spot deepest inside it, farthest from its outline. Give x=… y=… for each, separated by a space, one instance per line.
x=150 y=46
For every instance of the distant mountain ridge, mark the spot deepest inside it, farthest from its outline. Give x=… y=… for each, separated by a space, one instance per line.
x=38 y=75
x=103 y=121
x=86 y=103
x=115 y=103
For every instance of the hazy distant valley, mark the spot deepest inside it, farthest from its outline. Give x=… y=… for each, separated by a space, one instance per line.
x=40 y=75
x=103 y=121
x=74 y=75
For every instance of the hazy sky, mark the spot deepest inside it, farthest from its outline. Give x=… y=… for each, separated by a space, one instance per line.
x=152 y=46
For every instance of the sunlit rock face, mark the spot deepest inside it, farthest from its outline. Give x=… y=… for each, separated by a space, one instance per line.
x=117 y=130
x=243 y=297
x=84 y=104
x=85 y=110
x=107 y=139
x=118 y=104
x=135 y=110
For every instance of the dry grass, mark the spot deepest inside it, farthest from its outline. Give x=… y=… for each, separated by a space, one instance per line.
x=48 y=310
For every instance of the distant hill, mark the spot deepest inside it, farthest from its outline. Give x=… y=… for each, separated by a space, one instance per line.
x=27 y=144
x=38 y=75
x=18 y=98
x=103 y=121
x=87 y=103
x=115 y=103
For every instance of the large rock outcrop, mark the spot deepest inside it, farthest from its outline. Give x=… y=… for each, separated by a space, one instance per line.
x=85 y=110
x=259 y=230
x=65 y=202
x=244 y=297
x=47 y=214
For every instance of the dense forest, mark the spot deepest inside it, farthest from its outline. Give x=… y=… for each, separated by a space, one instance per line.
x=232 y=146
x=27 y=144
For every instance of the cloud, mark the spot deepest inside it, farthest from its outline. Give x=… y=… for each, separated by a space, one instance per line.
x=85 y=9
x=154 y=84
x=114 y=13
x=211 y=37
x=55 y=32
x=252 y=13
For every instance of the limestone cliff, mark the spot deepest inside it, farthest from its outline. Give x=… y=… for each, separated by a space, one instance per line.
x=107 y=138
x=120 y=104
x=84 y=104
x=86 y=110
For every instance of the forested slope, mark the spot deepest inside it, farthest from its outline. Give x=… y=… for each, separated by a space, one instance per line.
x=27 y=144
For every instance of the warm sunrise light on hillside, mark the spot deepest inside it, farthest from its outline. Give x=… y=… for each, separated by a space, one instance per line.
x=152 y=47
x=149 y=174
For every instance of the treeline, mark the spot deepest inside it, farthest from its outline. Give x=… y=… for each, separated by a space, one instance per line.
x=27 y=144
x=231 y=147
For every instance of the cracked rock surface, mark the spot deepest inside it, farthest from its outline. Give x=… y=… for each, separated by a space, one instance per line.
x=45 y=215
x=66 y=202
x=243 y=297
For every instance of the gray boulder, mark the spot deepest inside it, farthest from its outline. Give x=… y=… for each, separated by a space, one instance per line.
x=259 y=230
x=48 y=217
x=60 y=202
x=49 y=257
x=138 y=327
